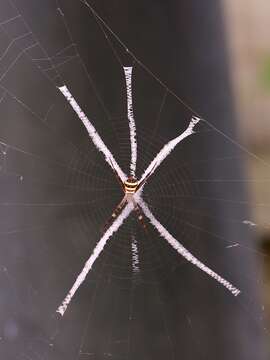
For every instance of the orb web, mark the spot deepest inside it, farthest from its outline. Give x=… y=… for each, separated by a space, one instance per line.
x=58 y=192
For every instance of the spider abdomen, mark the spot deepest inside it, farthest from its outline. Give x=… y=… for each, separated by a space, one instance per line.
x=131 y=186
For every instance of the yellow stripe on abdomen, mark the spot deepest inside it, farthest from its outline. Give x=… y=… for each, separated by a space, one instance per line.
x=131 y=187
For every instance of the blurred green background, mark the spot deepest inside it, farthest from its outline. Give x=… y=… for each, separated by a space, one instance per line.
x=247 y=25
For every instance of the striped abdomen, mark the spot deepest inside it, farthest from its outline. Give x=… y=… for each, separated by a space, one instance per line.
x=131 y=186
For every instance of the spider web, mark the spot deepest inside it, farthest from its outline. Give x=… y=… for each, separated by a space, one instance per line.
x=57 y=193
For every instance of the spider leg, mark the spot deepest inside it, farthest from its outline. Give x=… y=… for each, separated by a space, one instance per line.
x=117 y=176
x=142 y=182
x=115 y=213
x=140 y=216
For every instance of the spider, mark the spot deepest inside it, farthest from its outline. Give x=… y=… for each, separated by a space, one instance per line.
x=130 y=187
x=133 y=189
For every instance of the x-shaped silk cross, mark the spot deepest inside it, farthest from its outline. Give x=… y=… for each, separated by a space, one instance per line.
x=129 y=207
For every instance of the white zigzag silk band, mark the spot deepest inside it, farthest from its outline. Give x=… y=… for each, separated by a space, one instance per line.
x=183 y=251
x=168 y=148
x=98 y=142
x=131 y=120
x=95 y=254
x=135 y=255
